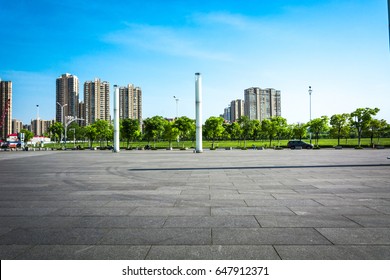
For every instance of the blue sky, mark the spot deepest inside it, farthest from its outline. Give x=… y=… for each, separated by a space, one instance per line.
x=338 y=47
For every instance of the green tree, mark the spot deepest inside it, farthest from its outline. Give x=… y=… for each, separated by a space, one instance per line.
x=299 y=130
x=171 y=132
x=360 y=120
x=130 y=130
x=340 y=126
x=154 y=127
x=235 y=131
x=28 y=135
x=384 y=129
x=91 y=134
x=269 y=129
x=376 y=129
x=74 y=132
x=103 y=131
x=232 y=130
x=319 y=125
x=186 y=127
x=281 y=127
x=226 y=131
x=213 y=128
x=256 y=134
x=247 y=127
x=57 y=130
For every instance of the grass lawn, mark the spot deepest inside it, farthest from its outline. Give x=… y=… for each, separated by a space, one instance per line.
x=365 y=142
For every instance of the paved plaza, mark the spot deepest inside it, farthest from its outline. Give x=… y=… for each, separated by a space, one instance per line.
x=254 y=204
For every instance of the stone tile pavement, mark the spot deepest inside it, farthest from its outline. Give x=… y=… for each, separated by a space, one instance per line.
x=325 y=204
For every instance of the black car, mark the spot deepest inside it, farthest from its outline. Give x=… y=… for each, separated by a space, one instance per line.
x=297 y=143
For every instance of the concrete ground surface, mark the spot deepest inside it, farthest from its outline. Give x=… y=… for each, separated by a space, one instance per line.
x=269 y=204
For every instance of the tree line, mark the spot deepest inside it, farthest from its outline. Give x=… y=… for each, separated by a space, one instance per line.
x=359 y=123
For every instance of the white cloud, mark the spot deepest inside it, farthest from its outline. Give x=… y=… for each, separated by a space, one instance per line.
x=227 y=19
x=166 y=40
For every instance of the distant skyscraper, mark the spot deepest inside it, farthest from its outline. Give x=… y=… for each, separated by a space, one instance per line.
x=5 y=109
x=67 y=92
x=252 y=103
x=236 y=109
x=130 y=102
x=81 y=113
x=96 y=101
x=17 y=126
x=262 y=104
x=226 y=114
x=40 y=127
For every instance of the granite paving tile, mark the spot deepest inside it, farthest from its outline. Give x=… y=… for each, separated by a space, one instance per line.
x=141 y=202
x=212 y=252
x=84 y=252
x=119 y=222
x=267 y=236
x=385 y=209
x=9 y=252
x=209 y=203
x=353 y=202
x=334 y=210
x=229 y=211
x=26 y=211
x=212 y=222
x=31 y=236
x=357 y=236
x=90 y=211
x=37 y=222
x=332 y=252
x=171 y=211
x=305 y=221
x=380 y=221
x=165 y=236
x=281 y=202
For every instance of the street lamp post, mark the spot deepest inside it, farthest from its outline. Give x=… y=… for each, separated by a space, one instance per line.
x=62 y=115
x=310 y=91
x=70 y=120
x=37 y=126
x=177 y=106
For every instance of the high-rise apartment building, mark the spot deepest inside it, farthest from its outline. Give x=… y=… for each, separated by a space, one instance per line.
x=40 y=127
x=236 y=109
x=81 y=115
x=226 y=114
x=96 y=101
x=17 y=126
x=67 y=95
x=130 y=102
x=262 y=104
x=5 y=109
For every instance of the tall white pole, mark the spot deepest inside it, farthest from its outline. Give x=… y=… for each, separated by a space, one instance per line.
x=177 y=106
x=198 y=109
x=310 y=91
x=38 y=134
x=116 y=120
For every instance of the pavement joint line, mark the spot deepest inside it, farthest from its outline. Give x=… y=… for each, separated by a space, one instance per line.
x=333 y=244
x=353 y=221
x=277 y=253
x=148 y=252
x=258 y=221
